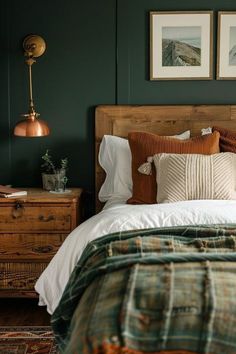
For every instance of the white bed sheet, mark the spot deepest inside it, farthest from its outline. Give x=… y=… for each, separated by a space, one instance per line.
x=118 y=216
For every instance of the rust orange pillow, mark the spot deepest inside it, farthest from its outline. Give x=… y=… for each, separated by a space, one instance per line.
x=227 y=139
x=143 y=145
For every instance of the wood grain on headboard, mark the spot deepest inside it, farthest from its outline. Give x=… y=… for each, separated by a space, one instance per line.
x=162 y=120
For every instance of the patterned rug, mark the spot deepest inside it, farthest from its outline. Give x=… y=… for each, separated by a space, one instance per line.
x=27 y=340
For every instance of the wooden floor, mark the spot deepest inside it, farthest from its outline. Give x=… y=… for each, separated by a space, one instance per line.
x=23 y=312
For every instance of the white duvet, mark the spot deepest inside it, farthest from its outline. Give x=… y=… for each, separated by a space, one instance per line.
x=119 y=217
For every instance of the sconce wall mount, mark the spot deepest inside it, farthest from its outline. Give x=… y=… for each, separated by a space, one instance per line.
x=34 y=46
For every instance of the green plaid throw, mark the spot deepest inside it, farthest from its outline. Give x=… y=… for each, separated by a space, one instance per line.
x=151 y=290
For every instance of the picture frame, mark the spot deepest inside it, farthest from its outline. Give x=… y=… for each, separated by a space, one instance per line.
x=226 y=46
x=181 y=45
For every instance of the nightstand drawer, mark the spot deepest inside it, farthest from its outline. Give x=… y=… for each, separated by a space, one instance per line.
x=22 y=217
x=20 y=276
x=26 y=247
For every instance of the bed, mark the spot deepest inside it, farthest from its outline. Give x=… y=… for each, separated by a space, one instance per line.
x=147 y=278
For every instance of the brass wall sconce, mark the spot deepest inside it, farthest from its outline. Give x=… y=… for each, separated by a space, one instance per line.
x=34 y=46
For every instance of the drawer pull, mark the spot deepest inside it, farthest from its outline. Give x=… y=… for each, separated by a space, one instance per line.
x=46 y=219
x=17 y=210
x=42 y=249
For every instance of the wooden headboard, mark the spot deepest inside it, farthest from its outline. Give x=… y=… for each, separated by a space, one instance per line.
x=162 y=120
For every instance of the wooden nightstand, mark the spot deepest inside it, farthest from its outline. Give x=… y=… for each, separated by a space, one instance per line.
x=32 y=228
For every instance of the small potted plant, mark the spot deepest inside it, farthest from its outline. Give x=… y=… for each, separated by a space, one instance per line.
x=54 y=178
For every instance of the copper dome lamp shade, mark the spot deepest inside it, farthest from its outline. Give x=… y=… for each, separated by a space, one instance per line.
x=31 y=126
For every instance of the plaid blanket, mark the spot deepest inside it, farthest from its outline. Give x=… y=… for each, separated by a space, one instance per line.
x=152 y=291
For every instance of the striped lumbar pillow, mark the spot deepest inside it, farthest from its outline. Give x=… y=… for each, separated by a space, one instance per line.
x=195 y=176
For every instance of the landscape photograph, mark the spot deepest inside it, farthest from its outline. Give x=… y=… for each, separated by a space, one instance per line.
x=232 y=45
x=181 y=46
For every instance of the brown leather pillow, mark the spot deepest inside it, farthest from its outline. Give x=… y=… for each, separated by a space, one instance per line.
x=144 y=144
x=227 y=139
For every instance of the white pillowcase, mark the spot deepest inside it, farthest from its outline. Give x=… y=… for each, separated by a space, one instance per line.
x=206 y=131
x=115 y=158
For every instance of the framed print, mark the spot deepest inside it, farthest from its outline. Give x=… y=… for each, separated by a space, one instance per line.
x=226 y=46
x=181 y=45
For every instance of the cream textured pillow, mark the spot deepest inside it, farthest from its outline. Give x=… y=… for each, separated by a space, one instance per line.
x=195 y=176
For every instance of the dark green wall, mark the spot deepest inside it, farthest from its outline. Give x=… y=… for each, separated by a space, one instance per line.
x=97 y=53
x=76 y=73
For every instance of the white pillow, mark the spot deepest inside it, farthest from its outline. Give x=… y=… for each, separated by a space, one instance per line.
x=206 y=131
x=183 y=136
x=115 y=158
x=195 y=176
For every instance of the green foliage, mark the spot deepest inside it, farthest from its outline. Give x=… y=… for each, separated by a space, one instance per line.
x=49 y=166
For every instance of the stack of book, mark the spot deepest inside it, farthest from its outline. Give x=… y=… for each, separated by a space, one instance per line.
x=8 y=192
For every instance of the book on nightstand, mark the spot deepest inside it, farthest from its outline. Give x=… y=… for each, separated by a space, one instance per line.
x=8 y=192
